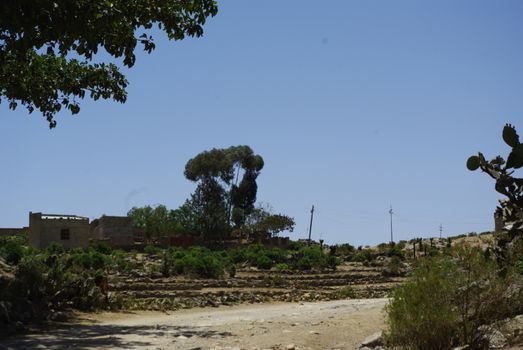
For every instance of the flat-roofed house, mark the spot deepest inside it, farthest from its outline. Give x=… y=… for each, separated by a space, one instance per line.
x=71 y=231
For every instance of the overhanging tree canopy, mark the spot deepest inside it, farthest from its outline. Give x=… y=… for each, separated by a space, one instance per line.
x=47 y=47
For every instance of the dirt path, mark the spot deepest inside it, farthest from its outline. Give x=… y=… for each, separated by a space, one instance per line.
x=340 y=324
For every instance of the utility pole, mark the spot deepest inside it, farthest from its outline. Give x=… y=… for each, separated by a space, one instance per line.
x=440 y=230
x=310 y=227
x=391 y=236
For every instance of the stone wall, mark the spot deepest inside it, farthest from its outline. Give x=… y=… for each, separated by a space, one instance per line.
x=117 y=230
x=12 y=231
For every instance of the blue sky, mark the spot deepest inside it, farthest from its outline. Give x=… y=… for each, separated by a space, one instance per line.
x=354 y=105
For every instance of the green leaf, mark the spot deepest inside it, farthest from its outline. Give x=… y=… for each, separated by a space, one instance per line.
x=515 y=158
x=473 y=163
x=510 y=136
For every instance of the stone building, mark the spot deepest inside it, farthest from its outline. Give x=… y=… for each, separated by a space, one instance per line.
x=117 y=230
x=13 y=231
x=71 y=231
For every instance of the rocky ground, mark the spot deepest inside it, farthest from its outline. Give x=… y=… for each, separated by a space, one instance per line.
x=340 y=324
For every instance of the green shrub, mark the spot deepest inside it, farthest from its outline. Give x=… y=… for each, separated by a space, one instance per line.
x=342 y=250
x=120 y=262
x=55 y=248
x=29 y=279
x=89 y=260
x=197 y=261
x=102 y=247
x=396 y=251
x=237 y=255
x=208 y=266
x=277 y=255
x=332 y=262
x=296 y=246
x=447 y=299
x=393 y=267
x=152 y=250
x=274 y=281
x=313 y=257
x=231 y=270
x=12 y=252
x=347 y=293
x=304 y=263
x=263 y=262
x=362 y=255
x=282 y=267
x=420 y=314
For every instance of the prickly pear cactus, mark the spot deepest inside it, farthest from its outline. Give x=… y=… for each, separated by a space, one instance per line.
x=510 y=209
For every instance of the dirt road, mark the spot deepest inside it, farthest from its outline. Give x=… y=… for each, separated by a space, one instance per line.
x=340 y=324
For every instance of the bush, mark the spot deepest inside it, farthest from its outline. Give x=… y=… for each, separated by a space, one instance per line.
x=152 y=250
x=55 y=248
x=393 y=268
x=277 y=255
x=313 y=257
x=102 y=247
x=208 y=266
x=347 y=292
x=332 y=262
x=362 y=255
x=197 y=261
x=420 y=315
x=237 y=255
x=282 y=267
x=395 y=251
x=263 y=262
x=45 y=282
x=120 y=262
x=231 y=270
x=447 y=299
x=12 y=252
x=296 y=246
x=342 y=250
x=89 y=260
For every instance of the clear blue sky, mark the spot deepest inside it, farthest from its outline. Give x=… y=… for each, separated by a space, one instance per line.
x=354 y=105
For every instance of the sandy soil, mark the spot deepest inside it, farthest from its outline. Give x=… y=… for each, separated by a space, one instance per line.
x=340 y=324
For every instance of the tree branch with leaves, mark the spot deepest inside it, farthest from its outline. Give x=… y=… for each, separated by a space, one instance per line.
x=47 y=47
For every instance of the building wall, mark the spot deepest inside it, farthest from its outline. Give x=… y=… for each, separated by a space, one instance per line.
x=12 y=231
x=44 y=231
x=118 y=230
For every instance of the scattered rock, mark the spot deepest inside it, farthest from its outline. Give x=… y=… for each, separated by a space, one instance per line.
x=512 y=328
x=373 y=340
x=492 y=336
x=291 y=347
